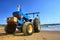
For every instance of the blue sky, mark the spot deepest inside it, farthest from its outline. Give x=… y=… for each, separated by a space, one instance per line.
x=49 y=9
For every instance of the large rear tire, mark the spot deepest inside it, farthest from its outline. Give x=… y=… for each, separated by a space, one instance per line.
x=10 y=28
x=28 y=28
x=36 y=24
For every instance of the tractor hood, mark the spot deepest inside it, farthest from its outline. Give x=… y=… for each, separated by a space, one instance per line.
x=20 y=13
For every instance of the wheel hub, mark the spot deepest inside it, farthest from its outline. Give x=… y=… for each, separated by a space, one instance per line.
x=30 y=28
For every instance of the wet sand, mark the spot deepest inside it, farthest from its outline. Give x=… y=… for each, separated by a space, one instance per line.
x=43 y=35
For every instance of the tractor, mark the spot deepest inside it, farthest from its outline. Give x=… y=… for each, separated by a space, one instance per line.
x=23 y=23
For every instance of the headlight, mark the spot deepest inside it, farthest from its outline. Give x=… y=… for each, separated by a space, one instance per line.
x=15 y=19
x=12 y=19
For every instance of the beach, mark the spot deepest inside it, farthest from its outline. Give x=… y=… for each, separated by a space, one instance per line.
x=43 y=35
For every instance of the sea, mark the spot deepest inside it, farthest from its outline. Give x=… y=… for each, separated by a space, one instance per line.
x=50 y=28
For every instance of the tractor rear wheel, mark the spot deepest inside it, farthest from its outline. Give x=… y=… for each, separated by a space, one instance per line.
x=36 y=24
x=10 y=28
x=27 y=28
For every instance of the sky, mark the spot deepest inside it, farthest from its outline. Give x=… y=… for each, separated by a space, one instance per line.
x=49 y=9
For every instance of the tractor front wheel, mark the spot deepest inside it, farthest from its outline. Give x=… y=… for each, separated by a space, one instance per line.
x=10 y=28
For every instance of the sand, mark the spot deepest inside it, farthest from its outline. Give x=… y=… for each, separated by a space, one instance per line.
x=43 y=35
